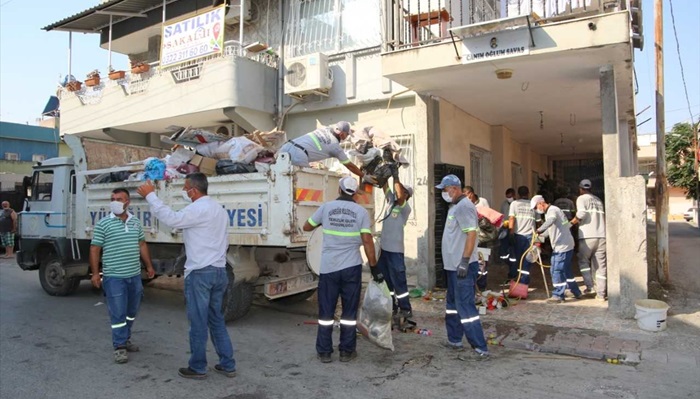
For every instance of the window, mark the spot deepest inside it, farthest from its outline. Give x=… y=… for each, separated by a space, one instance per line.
x=331 y=26
x=38 y=158
x=516 y=172
x=42 y=184
x=480 y=172
x=11 y=156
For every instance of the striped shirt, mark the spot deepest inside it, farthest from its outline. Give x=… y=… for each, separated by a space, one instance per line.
x=121 y=254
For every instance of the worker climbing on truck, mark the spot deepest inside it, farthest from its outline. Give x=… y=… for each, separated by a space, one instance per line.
x=322 y=143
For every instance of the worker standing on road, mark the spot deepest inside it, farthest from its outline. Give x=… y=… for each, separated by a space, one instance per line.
x=391 y=258
x=504 y=243
x=522 y=224
x=204 y=225
x=322 y=143
x=590 y=217
x=556 y=226
x=119 y=240
x=346 y=226
x=461 y=266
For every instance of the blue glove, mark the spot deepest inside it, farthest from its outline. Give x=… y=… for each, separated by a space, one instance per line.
x=463 y=268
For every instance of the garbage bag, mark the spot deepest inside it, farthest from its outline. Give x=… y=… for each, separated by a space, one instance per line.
x=375 y=315
x=155 y=169
x=228 y=167
x=243 y=150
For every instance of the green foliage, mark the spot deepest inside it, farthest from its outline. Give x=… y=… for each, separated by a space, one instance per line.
x=680 y=159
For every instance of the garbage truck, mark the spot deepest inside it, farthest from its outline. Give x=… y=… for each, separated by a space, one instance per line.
x=267 y=252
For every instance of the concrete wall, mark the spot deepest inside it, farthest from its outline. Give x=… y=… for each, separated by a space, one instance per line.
x=458 y=132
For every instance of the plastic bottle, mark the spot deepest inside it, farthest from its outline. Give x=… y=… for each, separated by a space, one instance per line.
x=424 y=332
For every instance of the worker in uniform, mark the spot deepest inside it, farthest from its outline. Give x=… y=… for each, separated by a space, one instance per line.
x=504 y=243
x=461 y=266
x=391 y=259
x=346 y=227
x=590 y=218
x=322 y=143
x=556 y=226
x=521 y=223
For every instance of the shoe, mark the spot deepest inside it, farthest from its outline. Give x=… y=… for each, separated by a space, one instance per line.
x=324 y=357
x=131 y=347
x=406 y=314
x=187 y=372
x=588 y=291
x=475 y=355
x=601 y=298
x=347 y=356
x=452 y=346
x=120 y=356
x=555 y=299
x=220 y=370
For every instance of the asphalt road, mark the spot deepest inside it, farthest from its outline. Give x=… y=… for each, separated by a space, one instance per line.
x=54 y=347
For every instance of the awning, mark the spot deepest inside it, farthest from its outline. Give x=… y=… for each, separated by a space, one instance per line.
x=94 y=19
x=51 y=108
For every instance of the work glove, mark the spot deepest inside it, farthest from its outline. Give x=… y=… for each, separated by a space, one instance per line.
x=463 y=268
x=376 y=274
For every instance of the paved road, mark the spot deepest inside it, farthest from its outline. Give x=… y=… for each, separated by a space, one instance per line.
x=60 y=348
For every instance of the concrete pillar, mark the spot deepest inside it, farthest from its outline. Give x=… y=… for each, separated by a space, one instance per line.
x=427 y=113
x=500 y=150
x=526 y=156
x=625 y=207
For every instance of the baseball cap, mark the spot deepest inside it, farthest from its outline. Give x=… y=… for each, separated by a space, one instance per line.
x=408 y=189
x=585 y=183
x=348 y=185
x=344 y=126
x=536 y=200
x=449 y=180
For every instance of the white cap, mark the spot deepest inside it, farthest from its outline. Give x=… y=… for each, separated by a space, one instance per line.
x=408 y=189
x=585 y=183
x=348 y=185
x=536 y=200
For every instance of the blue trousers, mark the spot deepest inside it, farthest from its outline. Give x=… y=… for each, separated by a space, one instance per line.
x=522 y=243
x=563 y=275
x=346 y=284
x=392 y=266
x=204 y=291
x=123 y=297
x=461 y=315
x=504 y=251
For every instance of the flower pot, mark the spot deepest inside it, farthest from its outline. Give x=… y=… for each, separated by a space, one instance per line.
x=94 y=81
x=74 y=85
x=116 y=75
x=141 y=68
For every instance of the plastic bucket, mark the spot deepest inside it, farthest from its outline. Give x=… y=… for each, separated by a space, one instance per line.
x=651 y=314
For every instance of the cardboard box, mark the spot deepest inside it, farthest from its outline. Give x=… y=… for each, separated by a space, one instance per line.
x=206 y=165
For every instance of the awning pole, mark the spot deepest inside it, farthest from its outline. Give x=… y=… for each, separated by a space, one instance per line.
x=240 y=34
x=109 y=46
x=70 y=54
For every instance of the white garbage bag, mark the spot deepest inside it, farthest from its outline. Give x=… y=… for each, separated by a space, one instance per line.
x=243 y=150
x=375 y=315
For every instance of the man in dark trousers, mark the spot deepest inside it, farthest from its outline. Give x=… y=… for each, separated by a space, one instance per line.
x=346 y=227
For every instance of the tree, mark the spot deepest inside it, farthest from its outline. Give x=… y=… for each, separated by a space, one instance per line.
x=680 y=158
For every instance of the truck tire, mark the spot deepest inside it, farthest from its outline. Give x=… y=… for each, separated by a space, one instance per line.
x=51 y=276
x=237 y=299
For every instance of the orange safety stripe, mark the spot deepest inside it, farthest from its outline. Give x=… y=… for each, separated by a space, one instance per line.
x=305 y=194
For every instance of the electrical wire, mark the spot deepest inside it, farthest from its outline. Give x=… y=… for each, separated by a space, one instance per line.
x=680 y=62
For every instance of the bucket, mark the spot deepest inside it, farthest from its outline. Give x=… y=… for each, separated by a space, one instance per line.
x=651 y=314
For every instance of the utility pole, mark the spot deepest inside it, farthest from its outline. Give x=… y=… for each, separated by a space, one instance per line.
x=661 y=188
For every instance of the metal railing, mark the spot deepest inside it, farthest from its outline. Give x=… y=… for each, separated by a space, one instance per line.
x=410 y=23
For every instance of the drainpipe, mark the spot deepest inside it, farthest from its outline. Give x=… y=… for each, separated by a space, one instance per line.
x=280 y=69
x=70 y=54
x=109 y=45
x=240 y=33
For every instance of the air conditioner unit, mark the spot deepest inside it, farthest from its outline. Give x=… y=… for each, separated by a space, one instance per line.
x=307 y=75
x=233 y=14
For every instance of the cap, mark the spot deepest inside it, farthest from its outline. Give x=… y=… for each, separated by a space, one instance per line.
x=408 y=189
x=585 y=183
x=536 y=200
x=449 y=180
x=348 y=185
x=344 y=126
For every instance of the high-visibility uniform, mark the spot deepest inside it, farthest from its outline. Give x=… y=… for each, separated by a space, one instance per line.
x=391 y=260
x=556 y=226
x=315 y=146
x=524 y=225
x=591 y=237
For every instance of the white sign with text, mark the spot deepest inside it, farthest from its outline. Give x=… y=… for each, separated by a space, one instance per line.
x=505 y=44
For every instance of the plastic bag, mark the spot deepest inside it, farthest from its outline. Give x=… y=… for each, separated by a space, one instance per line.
x=228 y=167
x=155 y=169
x=375 y=315
x=179 y=156
x=243 y=150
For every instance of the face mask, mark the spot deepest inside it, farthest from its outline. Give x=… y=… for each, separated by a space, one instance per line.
x=541 y=212
x=446 y=196
x=116 y=207
x=510 y=200
x=185 y=196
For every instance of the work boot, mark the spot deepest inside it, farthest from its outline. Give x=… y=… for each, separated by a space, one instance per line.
x=120 y=356
x=131 y=347
x=220 y=370
x=452 y=346
x=187 y=372
x=601 y=298
x=347 y=356
x=406 y=313
x=555 y=300
x=589 y=291
x=476 y=355
x=325 y=357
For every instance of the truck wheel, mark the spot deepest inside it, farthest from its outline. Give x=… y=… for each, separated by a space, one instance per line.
x=296 y=298
x=237 y=299
x=51 y=276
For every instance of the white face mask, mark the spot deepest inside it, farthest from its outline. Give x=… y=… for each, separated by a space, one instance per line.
x=185 y=196
x=510 y=200
x=116 y=207
x=446 y=196
x=541 y=212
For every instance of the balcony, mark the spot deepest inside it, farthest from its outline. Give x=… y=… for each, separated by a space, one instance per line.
x=230 y=87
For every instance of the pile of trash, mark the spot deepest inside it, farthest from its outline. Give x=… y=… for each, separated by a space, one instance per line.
x=378 y=155
x=199 y=150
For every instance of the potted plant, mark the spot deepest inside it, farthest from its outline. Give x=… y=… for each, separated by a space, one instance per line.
x=139 y=67
x=74 y=85
x=92 y=78
x=116 y=75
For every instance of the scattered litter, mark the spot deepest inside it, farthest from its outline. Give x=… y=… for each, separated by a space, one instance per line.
x=416 y=293
x=99 y=303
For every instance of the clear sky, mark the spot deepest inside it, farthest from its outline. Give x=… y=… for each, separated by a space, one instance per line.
x=32 y=60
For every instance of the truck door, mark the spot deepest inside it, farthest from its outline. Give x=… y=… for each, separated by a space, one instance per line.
x=46 y=216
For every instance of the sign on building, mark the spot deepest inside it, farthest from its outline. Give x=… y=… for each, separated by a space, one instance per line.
x=193 y=38
x=491 y=46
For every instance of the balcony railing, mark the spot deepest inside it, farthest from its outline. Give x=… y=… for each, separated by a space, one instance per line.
x=134 y=83
x=411 y=23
